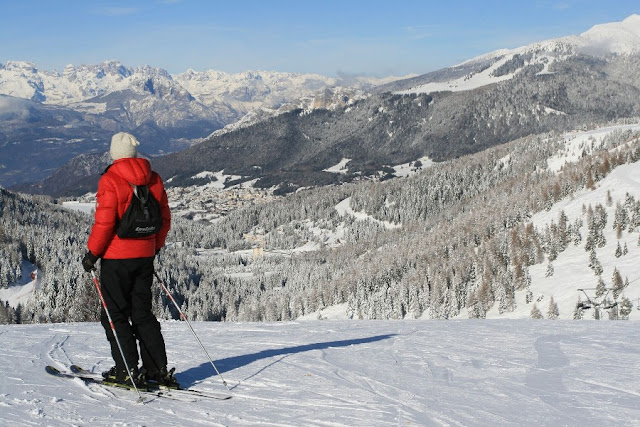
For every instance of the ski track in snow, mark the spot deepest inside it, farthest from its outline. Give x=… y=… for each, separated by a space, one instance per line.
x=339 y=373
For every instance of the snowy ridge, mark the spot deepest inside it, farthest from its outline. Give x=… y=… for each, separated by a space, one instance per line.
x=578 y=144
x=75 y=84
x=465 y=83
x=244 y=91
x=330 y=98
x=619 y=38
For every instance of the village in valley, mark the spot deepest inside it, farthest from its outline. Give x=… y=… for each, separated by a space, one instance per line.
x=209 y=203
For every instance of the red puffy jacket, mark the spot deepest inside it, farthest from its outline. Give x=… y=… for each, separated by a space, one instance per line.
x=113 y=197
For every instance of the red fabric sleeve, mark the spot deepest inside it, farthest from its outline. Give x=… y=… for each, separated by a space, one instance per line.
x=106 y=215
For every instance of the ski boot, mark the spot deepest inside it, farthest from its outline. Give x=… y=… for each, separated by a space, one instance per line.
x=163 y=379
x=120 y=377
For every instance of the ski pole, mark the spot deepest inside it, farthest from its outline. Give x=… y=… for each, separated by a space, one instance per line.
x=113 y=329
x=183 y=317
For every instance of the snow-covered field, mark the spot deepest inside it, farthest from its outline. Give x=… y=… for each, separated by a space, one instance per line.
x=334 y=373
x=21 y=291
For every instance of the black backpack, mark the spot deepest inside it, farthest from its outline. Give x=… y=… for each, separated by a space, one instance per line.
x=143 y=216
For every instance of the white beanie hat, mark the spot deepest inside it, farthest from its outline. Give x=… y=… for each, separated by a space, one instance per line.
x=123 y=145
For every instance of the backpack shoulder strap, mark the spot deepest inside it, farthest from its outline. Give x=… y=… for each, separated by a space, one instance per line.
x=141 y=192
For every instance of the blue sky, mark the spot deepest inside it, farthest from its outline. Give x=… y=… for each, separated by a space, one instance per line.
x=329 y=37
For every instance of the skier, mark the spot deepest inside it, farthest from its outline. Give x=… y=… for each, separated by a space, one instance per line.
x=127 y=267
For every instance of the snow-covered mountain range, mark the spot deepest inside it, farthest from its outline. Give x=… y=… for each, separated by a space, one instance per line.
x=550 y=85
x=165 y=111
x=86 y=88
x=222 y=96
x=615 y=38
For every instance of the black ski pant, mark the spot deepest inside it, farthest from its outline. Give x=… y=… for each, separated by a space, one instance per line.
x=126 y=287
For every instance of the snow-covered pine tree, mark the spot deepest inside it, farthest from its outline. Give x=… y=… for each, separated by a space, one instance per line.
x=625 y=308
x=594 y=264
x=600 y=214
x=577 y=236
x=535 y=312
x=549 y=271
x=621 y=220
x=528 y=295
x=600 y=287
x=578 y=312
x=617 y=283
x=553 y=312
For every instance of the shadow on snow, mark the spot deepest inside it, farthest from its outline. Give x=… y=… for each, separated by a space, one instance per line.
x=194 y=375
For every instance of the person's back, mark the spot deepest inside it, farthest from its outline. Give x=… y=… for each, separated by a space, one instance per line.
x=126 y=272
x=115 y=191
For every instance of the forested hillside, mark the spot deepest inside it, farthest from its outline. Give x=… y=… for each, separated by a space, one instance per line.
x=292 y=150
x=454 y=238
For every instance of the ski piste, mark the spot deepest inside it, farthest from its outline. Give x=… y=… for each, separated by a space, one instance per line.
x=76 y=371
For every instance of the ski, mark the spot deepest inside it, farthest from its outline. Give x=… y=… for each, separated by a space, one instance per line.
x=155 y=389
x=179 y=395
x=93 y=380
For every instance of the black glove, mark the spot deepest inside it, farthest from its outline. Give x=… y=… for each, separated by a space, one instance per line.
x=89 y=261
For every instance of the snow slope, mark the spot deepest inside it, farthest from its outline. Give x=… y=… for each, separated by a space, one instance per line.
x=364 y=373
x=571 y=270
x=21 y=291
x=620 y=38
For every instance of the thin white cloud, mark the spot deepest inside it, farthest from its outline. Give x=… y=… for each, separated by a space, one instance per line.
x=561 y=6
x=13 y=107
x=117 y=11
x=554 y=4
x=418 y=32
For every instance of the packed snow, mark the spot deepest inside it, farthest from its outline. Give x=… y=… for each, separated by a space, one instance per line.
x=464 y=83
x=344 y=208
x=411 y=168
x=76 y=205
x=339 y=373
x=340 y=167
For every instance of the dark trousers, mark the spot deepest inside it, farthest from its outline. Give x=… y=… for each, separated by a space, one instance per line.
x=126 y=286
